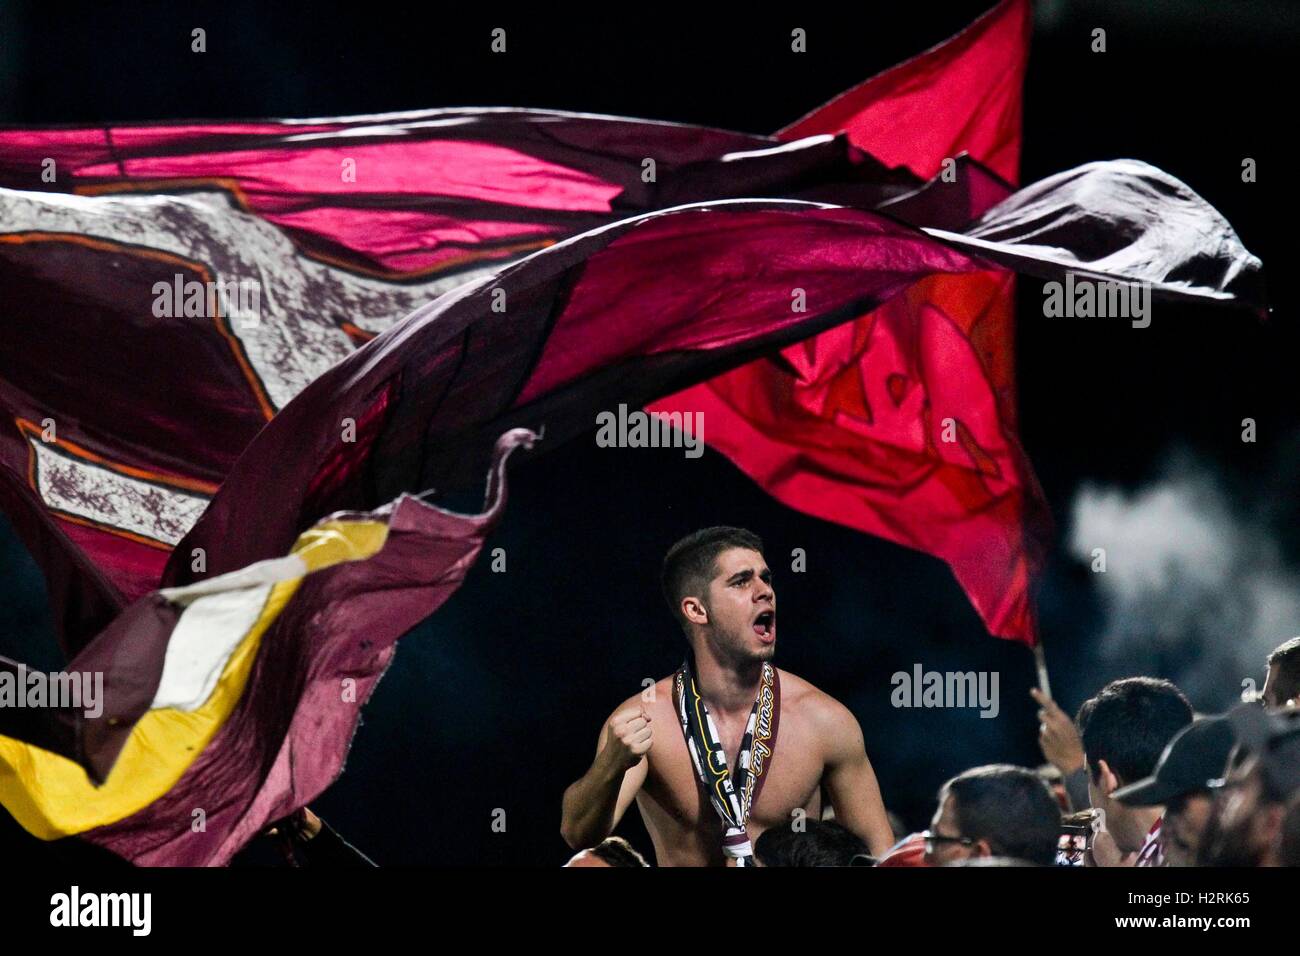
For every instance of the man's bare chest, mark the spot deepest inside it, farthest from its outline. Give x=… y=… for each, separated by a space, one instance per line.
x=790 y=781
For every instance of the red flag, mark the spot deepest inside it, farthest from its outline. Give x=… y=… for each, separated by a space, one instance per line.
x=962 y=95
x=902 y=424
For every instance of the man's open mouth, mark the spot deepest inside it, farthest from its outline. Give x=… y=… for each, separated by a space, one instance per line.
x=765 y=625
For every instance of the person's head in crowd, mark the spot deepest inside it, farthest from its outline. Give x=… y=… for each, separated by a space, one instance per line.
x=1283 y=681
x=1197 y=755
x=997 y=810
x=1263 y=776
x=1125 y=729
x=1290 y=853
x=815 y=843
x=612 y=851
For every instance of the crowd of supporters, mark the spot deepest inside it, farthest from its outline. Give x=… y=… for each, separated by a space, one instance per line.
x=1135 y=778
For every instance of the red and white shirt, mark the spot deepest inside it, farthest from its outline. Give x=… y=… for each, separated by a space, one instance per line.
x=1153 y=851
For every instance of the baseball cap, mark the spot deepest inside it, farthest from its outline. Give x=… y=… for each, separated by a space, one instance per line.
x=1196 y=755
x=1274 y=736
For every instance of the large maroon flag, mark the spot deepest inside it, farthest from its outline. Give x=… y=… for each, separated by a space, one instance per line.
x=126 y=413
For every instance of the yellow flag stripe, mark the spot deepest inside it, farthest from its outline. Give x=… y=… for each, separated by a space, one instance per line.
x=52 y=797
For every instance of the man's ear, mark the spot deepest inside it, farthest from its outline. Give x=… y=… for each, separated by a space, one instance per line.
x=694 y=610
x=1107 y=782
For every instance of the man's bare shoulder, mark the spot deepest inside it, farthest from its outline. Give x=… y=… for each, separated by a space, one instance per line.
x=819 y=709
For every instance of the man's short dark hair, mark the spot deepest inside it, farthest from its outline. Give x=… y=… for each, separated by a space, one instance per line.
x=1287 y=658
x=618 y=852
x=691 y=563
x=822 y=843
x=1009 y=807
x=1129 y=723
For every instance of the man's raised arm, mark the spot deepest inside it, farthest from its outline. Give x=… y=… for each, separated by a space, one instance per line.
x=597 y=800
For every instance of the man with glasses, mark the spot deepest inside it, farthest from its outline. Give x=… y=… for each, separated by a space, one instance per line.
x=994 y=811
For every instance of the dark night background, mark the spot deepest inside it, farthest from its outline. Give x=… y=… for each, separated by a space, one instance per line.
x=1135 y=434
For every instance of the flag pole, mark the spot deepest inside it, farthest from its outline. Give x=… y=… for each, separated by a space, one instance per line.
x=1041 y=663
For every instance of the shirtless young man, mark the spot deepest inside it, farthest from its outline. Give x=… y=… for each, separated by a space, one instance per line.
x=720 y=589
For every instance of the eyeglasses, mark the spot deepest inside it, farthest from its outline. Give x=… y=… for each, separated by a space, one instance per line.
x=931 y=838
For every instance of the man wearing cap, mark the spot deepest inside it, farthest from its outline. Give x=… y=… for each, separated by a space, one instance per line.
x=1246 y=825
x=1197 y=755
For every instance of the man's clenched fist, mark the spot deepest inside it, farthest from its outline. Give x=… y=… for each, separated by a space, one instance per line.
x=629 y=737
